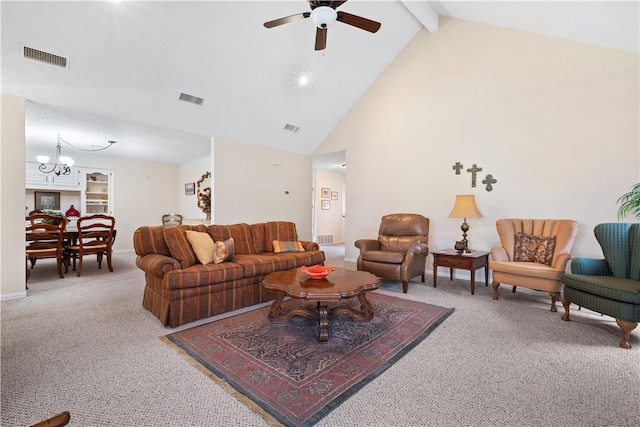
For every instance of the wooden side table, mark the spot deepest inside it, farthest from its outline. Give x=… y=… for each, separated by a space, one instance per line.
x=453 y=259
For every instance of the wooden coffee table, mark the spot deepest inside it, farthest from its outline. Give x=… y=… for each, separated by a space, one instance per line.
x=339 y=285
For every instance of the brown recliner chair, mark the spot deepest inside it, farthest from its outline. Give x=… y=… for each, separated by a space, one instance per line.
x=401 y=250
x=535 y=259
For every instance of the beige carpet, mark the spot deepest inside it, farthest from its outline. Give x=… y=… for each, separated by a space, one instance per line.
x=86 y=345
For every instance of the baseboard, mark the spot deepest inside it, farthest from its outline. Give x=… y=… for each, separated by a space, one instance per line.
x=17 y=295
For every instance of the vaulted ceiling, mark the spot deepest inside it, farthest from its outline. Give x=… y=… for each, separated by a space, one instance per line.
x=128 y=63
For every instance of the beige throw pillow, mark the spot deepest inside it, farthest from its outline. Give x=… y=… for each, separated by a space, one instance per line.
x=202 y=245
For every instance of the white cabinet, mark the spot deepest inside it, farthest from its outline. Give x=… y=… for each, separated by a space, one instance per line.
x=97 y=196
x=37 y=180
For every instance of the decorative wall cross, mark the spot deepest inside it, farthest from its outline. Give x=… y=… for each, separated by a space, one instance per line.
x=488 y=181
x=457 y=167
x=474 y=169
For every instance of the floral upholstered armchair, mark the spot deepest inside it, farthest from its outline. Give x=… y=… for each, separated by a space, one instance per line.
x=534 y=254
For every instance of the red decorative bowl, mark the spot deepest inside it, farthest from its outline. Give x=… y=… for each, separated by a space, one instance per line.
x=317 y=271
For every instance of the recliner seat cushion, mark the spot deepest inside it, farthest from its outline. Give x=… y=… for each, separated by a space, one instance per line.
x=390 y=257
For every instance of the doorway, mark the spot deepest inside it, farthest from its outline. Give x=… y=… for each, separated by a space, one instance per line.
x=329 y=207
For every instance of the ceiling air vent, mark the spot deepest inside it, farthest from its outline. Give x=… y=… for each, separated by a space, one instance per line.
x=42 y=56
x=291 y=128
x=190 y=98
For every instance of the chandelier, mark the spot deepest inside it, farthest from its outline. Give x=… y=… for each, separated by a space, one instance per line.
x=62 y=164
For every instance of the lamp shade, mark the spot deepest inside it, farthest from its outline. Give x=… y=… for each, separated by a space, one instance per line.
x=465 y=207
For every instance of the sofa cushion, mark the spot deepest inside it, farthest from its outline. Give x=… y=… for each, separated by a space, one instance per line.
x=202 y=275
x=203 y=245
x=287 y=246
x=278 y=230
x=298 y=259
x=261 y=264
x=224 y=251
x=150 y=240
x=178 y=244
x=258 y=236
x=241 y=234
x=534 y=248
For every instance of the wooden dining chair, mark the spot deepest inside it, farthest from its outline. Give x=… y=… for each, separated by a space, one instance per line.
x=171 y=219
x=44 y=239
x=95 y=236
x=59 y=420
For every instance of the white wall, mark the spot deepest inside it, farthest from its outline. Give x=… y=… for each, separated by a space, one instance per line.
x=191 y=172
x=250 y=182
x=555 y=122
x=12 y=182
x=329 y=221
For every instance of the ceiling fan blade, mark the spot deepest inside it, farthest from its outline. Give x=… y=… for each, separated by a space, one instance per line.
x=359 y=22
x=337 y=4
x=321 y=38
x=287 y=19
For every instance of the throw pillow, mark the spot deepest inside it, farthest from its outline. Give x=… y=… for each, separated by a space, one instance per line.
x=224 y=251
x=285 y=246
x=534 y=248
x=179 y=246
x=202 y=245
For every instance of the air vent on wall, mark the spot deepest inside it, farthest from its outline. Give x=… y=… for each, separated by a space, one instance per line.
x=42 y=56
x=291 y=128
x=190 y=98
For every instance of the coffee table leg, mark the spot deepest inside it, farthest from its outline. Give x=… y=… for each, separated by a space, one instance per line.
x=276 y=310
x=365 y=307
x=323 y=320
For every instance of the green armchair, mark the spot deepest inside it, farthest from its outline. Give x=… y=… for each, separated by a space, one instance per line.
x=611 y=285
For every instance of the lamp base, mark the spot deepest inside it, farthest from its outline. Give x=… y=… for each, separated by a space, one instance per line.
x=465 y=227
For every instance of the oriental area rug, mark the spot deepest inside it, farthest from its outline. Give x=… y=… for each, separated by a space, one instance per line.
x=285 y=374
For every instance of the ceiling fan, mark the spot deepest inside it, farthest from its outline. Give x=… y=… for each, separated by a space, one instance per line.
x=323 y=14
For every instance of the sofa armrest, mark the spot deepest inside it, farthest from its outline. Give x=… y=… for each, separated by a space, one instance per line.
x=157 y=264
x=590 y=267
x=367 y=245
x=499 y=254
x=310 y=246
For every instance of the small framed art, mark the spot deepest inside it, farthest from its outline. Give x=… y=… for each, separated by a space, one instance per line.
x=326 y=205
x=190 y=188
x=334 y=195
x=47 y=200
x=326 y=192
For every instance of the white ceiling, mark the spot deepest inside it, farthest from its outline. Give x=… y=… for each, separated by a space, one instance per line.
x=129 y=62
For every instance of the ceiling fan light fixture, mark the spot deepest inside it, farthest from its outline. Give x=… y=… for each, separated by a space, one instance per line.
x=323 y=16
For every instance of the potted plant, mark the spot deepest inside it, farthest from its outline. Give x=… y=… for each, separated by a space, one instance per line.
x=54 y=213
x=630 y=203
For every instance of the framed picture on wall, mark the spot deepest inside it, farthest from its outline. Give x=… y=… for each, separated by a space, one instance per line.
x=47 y=200
x=190 y=188
x=326 y=193
x=326 y=205
x=334 y=195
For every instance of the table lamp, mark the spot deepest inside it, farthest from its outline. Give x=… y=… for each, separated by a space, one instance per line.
x=465 y=207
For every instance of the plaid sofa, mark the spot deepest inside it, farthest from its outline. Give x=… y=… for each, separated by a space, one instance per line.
x=179 y=289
